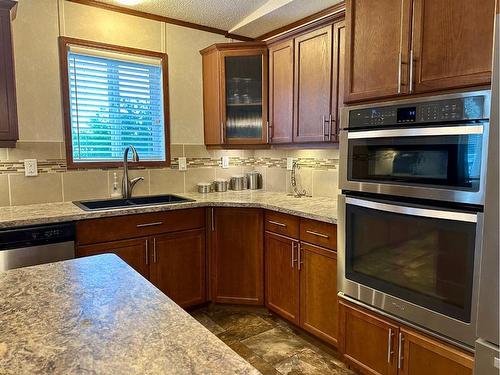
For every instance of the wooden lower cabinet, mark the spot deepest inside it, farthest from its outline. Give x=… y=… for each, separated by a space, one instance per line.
x=282 y=276
x=318 y=292
x=375 y=345
x=133 y=252
x=178 y=266
x=237 y=256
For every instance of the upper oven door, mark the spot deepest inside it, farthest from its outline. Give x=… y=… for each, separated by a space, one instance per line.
x=439 y=163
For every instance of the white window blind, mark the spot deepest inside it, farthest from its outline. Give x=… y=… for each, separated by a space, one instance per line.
x=116 y=100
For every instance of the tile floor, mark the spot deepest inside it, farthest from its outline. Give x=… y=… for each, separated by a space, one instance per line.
x=269 y=343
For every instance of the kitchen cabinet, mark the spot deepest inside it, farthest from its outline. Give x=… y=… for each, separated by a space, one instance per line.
x=452 y=44
x=301 y=277
x=235 y=93
x=168 y=248
x=374 y=344
x=134 y=252
x=178 y=266
x=282 y=276
x=237 y=255
x=281 y=92
x=8 y=107
x=306 y=86
x=401 y=47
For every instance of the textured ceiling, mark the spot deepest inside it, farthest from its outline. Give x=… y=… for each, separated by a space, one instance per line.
x=251 y=17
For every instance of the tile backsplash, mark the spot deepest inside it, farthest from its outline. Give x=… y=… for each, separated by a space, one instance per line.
x=318 y=173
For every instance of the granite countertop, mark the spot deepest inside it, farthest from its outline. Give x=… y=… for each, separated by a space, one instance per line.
x=317 y=208
x=96 y=315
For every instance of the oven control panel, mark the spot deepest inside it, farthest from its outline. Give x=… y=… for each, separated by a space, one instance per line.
x=438 y=111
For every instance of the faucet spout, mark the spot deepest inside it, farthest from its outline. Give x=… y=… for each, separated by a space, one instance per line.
x=127 y=184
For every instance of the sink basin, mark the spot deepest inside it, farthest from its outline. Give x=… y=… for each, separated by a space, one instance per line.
x=109 y=204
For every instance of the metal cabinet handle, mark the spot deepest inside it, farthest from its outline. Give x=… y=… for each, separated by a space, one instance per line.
x=400 y=350
x=411 y=71
x=400 y=71
x=269 y=135
x=299 y=256
x=147 y=252
x=212 y=220
x=154 y=250
x=325 y=121
x=389 y=346
x=222 y=132
x=149 y=224
x=276 y=223
x=317 y=234
x=293 y=253
x=330 y=120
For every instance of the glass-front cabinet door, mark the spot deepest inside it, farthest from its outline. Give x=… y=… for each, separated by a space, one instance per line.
x=244 y=96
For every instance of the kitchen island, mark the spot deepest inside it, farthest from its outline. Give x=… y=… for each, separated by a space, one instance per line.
x=97 y=315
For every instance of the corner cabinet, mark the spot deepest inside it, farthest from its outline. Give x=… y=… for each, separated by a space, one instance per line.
x=8 y=106
x=235 y=94
x=404 y=47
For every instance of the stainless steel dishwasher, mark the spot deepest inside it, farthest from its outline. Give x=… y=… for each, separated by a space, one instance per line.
x=29 y=246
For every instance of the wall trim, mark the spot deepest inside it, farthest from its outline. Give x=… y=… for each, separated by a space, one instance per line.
x=156 y=17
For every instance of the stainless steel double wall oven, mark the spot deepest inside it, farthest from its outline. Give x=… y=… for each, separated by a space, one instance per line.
x=412 y=176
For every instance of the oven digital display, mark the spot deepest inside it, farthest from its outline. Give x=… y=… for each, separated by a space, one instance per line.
x=408 y=114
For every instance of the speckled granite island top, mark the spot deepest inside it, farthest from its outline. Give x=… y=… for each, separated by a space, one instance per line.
x=96 y=315
x=317 y=208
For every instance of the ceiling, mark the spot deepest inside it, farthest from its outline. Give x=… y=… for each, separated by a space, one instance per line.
x=250 y=18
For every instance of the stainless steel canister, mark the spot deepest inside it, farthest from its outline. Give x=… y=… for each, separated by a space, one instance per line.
x=220 y=185
x=254 y=180
x=204 y=187
x=238 y=182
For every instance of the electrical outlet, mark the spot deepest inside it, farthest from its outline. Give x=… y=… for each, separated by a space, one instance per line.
x=182 y=164
x=289 y=163
x=30 y=167
x=225 y=162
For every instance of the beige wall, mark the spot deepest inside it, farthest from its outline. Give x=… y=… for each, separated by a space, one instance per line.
x=35 y=32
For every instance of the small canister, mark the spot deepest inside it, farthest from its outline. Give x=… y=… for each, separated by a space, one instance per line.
x=220 y=185
x=254 y=180
x=238 y=182
x=204 y=187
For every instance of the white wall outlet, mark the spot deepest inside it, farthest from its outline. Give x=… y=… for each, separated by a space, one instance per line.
x=182 y=164
x=289 y=163
x=30 y=167
x=225 y=162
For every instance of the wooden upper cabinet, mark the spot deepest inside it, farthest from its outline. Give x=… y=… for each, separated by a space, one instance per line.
x=313 y=79
x=368 y=342
x=318 y=292
x=377 y=37
x=452 y=43
x=133 y=252
x=8 y=107
x=281 y=92
x=282 y=276
x=237 y=254
x=235 y=93
x=423 y=355
x=178 y=266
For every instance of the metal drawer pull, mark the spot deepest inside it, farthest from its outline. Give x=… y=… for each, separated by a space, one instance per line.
x=389 y=346
x=147 y=252
x=154 y=250
x=400 y=350
x=317 y=234
x=149 y=224
x=276 y=223
x=299 y=256
x=293 y=253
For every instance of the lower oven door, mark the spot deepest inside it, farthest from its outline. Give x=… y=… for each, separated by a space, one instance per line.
x=418 y=263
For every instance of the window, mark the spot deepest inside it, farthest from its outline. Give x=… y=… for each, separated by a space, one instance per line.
x=113 y=97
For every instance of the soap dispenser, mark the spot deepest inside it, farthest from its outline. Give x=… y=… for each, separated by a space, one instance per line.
x=115 y=192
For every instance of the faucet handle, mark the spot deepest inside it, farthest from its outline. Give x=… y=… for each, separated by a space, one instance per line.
x=135 y=181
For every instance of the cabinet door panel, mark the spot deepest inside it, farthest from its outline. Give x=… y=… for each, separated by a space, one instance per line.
x=238 y=256
x=377 y=49
x=282 y=276
x=281 y=92
x=452 y=43
x=178 y=266
x=423 y=355
x=367 y=342
x=211 y=99
x=318 y=292
x=133 y=252
x=313 y=73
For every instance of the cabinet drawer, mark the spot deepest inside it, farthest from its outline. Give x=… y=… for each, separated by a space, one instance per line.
x=141 y=225
x=286 y=225
x=318 y=233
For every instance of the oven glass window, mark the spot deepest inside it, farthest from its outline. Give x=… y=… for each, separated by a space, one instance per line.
x=422 y=260
x=438 y=161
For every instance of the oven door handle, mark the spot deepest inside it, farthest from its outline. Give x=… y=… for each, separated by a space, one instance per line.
x=418 y=132
x=413 y=211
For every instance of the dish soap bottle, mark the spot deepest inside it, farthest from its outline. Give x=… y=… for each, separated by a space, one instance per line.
x=115 y=192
